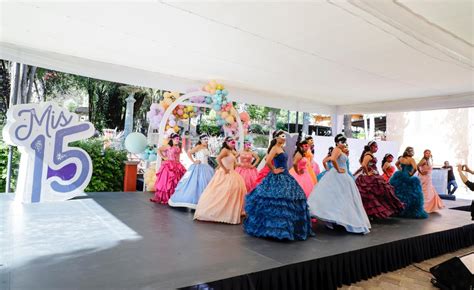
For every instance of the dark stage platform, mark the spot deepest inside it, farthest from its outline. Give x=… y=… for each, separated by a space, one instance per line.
x=122 y=241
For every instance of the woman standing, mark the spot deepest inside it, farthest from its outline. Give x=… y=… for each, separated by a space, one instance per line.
x=277 y=207
x=300 y=170
x=336 y=199
x=408 y=187
x=326 y=163
x=313 y=167
x=378 y=196
x=223 y=199
x=170 y=172
x=425 y=168
x=193 y=183
x=247 y=166
x=387 y=167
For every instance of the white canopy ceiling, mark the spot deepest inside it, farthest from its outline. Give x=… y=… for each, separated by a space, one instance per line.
x=318 y=56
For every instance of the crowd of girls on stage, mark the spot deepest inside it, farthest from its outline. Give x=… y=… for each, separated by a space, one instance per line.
x=280 y=202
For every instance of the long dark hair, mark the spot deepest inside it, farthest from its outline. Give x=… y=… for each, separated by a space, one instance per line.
x=274 y=141
x=388 y=155
x=172 y=136
x=202 y=136
x=299 y=148
x=366 y=149
x=330 y=149
x=307 y=138
x=224 y=144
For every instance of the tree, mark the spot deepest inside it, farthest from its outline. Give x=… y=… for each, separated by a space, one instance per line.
x=348 y=126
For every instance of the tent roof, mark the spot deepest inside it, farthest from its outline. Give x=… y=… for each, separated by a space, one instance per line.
x=320 y=56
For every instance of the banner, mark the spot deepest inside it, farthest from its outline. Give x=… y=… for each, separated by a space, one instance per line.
x=50 y=170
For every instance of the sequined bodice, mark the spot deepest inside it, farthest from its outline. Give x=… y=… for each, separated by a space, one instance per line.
x=172 y=153
x=246 y=158
x=342 y=160
x=302 y=164
x=406 y=168
x=280 y=161
x=229 y=161
x=202 y=155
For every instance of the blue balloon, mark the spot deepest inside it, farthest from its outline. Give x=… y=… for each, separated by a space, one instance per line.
x=152 y=157
x=208 y=100
x=135 y=142
x=217 y=107
x=218 y=92
x=225 y=92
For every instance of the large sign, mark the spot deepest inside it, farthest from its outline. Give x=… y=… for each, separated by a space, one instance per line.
x=50 y=170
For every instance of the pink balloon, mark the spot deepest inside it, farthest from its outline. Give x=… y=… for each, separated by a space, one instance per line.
x=180 y=112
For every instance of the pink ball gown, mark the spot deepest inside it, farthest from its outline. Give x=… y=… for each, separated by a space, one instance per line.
x=304 y=180
x=168 y=175
x=223 y=199
x=247 y=171
x=432 y=200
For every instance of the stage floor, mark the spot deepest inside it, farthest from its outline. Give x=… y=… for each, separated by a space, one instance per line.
x=122 y=241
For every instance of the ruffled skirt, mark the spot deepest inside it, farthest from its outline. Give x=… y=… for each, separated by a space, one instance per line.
x=408 y=190
x=277 y=209
x=249 y=175
x=167 y=179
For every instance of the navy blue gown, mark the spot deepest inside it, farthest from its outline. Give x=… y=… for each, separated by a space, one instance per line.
x=277 y=207
x=408 y=190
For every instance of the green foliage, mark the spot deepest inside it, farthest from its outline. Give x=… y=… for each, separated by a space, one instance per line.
x=256 y=129
x=209 y=128
x=108 y=166
x=3 y=167
x=281 y=126
x=260 y=141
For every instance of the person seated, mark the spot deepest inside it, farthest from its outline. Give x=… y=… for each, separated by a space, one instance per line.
x=469 y=184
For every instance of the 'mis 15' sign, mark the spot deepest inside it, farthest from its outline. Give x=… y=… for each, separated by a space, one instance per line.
x=50 y=170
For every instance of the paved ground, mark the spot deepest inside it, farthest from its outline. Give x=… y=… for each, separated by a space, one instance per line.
x=409 y=277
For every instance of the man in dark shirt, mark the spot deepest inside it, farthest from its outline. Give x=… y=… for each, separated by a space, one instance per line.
x=452 y=185
x=468 y=183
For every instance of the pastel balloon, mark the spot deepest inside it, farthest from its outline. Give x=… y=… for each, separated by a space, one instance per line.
x=176 y=128
x=180 y=112
x=207 y=88
x=185 y=116
x=244 y=116
x=135 y=142
x=230 y=119
x=213 y=84
x=212 y=91
x=225 y=92
x=172 y=123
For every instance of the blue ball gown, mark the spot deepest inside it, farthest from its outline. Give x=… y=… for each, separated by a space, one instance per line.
x=336 y=199
x=192 y=184
x=277 y=207
x=408 y=190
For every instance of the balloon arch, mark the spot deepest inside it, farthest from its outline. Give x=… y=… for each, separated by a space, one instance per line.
x=209 y=97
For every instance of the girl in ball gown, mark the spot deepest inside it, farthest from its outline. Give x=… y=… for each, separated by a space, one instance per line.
x=300 y=171
x=223 y=199
x=277 y=207
x=193 y=183
x=313 y=167
x=336 y=199
x=326 y=163
x=170 y=172
x=408 y=187
x=425 y=168
x=247 y=166
x=387 y=167
x=378 y=196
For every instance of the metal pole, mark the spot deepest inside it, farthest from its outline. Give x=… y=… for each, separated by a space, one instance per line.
x=14 y=79
x=297 y=122
x=288 y=122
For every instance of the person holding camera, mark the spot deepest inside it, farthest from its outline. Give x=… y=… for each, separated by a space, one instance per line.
x=469 y=184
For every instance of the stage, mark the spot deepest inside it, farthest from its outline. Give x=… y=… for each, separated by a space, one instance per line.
x=122 y=241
